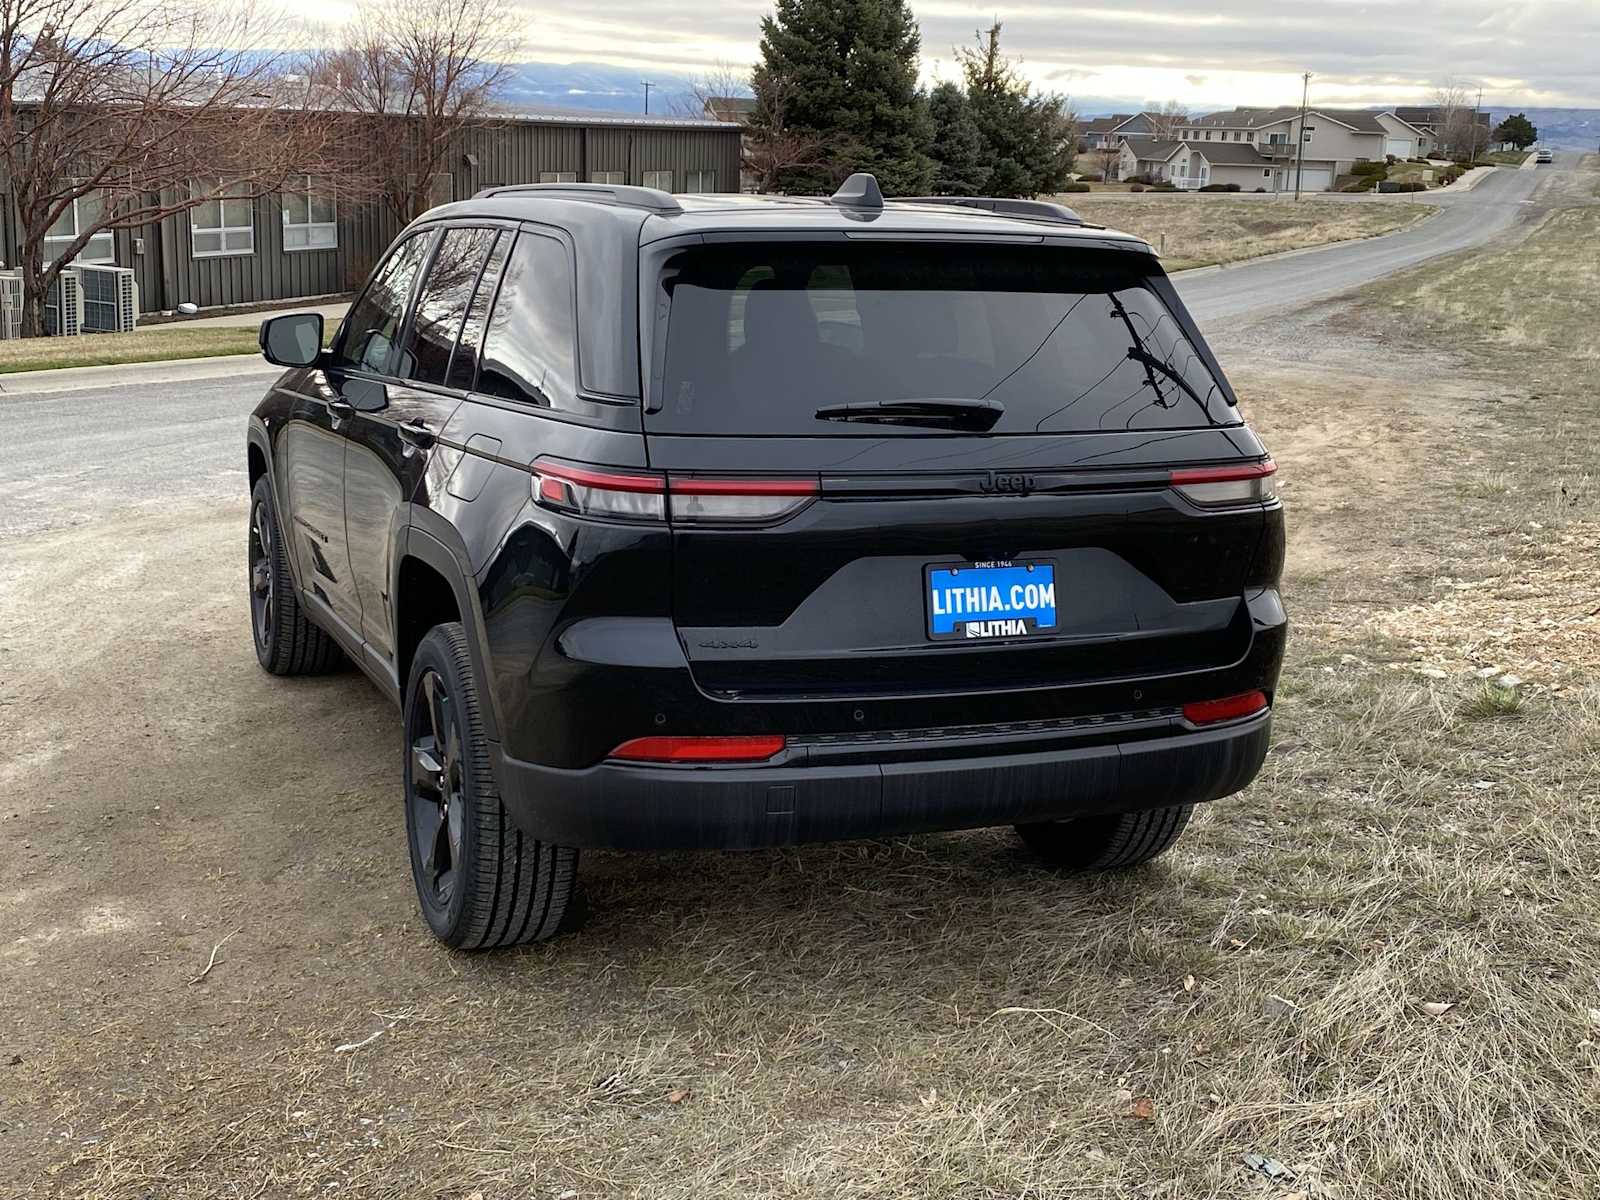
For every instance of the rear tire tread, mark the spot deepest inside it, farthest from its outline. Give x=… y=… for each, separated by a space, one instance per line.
x=522 y=885
x=1109 y=843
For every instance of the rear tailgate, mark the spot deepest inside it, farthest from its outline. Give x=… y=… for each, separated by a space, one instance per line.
x=822 y=558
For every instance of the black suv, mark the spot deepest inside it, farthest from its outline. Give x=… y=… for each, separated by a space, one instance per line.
x=734 y=521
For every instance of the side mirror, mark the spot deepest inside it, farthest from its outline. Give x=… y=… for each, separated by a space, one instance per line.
x=294 y=340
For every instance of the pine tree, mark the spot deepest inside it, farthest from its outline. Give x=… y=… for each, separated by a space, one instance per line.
x=850 y=69
x=1517 y=130
x=1030 y=139
x=960 y=158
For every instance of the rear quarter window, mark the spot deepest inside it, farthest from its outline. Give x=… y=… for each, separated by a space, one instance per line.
x=757 y=337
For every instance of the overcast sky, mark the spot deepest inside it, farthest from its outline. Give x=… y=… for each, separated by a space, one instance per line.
x=1208 y=53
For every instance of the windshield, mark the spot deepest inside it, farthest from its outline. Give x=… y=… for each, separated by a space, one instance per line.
x=760 y=337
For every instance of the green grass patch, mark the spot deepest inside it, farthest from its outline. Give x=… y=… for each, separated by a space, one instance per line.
x=111 y=349
x=1506 y=158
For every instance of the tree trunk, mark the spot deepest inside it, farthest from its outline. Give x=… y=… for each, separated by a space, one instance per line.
x=36 y=281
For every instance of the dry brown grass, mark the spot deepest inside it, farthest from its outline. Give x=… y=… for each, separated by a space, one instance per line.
x=1202 y=230
x=104 y=349
x=931 y=1017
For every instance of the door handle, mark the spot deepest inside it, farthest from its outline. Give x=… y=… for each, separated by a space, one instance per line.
x=417 y=433
x=341 y=408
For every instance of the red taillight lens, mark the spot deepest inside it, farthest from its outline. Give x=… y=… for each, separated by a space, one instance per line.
x=715 y=501
x=619 y=495
x=1220 y=487
x=700 y=749
x=1230 y=708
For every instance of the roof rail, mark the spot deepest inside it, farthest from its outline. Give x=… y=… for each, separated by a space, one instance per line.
x=650 y=199
x=1005 y=206
x=860 y=191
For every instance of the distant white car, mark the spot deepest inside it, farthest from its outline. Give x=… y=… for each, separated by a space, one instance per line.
x=1544 y=156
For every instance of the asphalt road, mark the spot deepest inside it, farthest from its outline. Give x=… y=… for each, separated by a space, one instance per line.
x=1288 y=281
x=146 y=436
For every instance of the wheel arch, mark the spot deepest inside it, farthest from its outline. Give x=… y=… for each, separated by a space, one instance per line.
x=432 y=585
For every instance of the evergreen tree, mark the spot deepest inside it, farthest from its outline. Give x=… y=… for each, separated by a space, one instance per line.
x=1031 y=139
x=850 y=70
x=1517 y=130
x=960 y=157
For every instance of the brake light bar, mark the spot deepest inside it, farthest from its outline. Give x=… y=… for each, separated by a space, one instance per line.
x=1220 y=487
x=700 y=749
x=631 y=495
x=1229 y=708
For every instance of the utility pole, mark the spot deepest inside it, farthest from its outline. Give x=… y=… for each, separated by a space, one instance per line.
x=1300 y=150
x=1475 y=113
x=648 y=84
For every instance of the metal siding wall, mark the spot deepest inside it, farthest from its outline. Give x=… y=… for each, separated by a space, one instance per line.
x=512 y=153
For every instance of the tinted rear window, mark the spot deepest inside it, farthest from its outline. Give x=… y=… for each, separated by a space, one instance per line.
x=758 y=337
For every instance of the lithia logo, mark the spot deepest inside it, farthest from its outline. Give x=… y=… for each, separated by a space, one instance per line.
x=1007 y=483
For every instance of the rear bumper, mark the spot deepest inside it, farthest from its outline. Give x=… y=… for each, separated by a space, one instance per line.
x=827 y=793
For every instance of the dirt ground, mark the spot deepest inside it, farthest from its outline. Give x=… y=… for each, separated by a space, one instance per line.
x=1377 y=969
x=1201 y=230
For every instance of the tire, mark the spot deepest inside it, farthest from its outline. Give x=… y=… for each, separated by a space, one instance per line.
x=287 y=643
x=1112 y=842
x=481 y=881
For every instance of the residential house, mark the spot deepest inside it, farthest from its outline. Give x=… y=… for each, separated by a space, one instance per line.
x=1431 y=121
x=1192 y=165
x=1331 y=142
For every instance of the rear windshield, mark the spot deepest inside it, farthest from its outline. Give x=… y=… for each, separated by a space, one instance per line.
x=758 y=337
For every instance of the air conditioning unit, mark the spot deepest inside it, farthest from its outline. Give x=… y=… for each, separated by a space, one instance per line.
x=63 y=307
x=110 y=298
x=10 y=305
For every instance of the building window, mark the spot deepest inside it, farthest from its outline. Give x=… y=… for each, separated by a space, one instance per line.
x=699 y=181
x=558 y=177
x=658 y=179
x=1208 y=135
x=81 y=214
x=223 y=225
x=611 y=177
x=309 y=221
x=1266 y=172
x=1309 y=130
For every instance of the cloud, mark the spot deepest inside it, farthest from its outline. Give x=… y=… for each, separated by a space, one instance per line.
x=1199 y=51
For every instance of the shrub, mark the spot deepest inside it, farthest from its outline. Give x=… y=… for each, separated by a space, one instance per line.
x=1163 y=187
x=1091 y=177
x=1075 y=187
x=1220 y=187
x=1138 y=187
x=1263 y=191
x=1362 y=185
x=1370 y=168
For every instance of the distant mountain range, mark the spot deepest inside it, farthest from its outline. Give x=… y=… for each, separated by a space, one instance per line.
x=596 y=85
x=621 y=89
x=1559 y=128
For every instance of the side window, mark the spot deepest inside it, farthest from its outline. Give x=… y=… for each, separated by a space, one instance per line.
x=367 y=340
x=529 y=346
x=442 y=304
x=464 y=366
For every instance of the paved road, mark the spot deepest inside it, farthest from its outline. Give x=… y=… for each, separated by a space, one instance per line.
x=68 y=457
x=1498 y=203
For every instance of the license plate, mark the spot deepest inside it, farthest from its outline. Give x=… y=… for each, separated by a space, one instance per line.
x=991 y=600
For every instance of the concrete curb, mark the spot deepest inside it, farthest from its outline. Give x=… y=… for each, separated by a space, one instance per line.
x=173 y=370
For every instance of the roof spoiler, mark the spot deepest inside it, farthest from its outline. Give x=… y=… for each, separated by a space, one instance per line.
x=650 y=199
x=1005 y=206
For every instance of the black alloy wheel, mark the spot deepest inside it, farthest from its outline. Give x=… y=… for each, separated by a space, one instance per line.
x=434 y=796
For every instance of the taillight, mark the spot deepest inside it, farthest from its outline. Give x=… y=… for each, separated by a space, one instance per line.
x=621 y=494
x=700 y=749
x=600 y=492
x=1221 y=487
x=1229 y=708
x=737 y=500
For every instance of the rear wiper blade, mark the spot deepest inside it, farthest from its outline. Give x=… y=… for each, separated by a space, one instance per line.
x=1140 y=355
x=978 y=415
